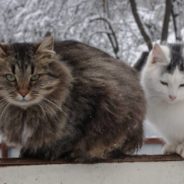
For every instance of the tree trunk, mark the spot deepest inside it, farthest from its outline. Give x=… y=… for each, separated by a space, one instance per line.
x=175 y=18
x=140 y=25
x=165 y=26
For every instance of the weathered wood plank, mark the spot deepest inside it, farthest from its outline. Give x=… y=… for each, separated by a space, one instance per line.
x=134 y=158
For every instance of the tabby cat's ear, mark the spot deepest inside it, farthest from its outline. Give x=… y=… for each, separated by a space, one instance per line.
x=46 y=45
x=3 y=50
x=158 y=55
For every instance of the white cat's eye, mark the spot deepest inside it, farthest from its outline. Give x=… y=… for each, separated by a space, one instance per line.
x=164 y=83
x=10 y=77
x=35 y=77
x=181 y=85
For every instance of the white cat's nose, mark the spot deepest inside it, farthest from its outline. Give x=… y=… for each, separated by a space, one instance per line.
x=172 y=97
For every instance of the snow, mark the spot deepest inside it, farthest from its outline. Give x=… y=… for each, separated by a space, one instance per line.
x=23 y=20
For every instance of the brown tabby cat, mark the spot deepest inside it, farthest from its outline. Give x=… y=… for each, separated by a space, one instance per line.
x=68 y=100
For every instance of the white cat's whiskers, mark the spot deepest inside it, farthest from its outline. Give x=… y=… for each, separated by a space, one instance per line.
x=155 y=96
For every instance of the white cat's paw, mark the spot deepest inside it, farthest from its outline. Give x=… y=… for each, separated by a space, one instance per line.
x=169 y=149
x=180 y=150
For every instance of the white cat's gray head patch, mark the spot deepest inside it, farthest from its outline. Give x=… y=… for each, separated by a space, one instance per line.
x=176 y=57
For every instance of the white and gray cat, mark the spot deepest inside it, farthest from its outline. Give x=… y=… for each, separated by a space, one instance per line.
x=163 y=81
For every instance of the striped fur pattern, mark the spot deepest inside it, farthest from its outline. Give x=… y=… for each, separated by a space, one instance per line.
x=68 y=100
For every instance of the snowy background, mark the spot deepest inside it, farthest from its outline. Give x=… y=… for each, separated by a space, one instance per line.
x=105 y=24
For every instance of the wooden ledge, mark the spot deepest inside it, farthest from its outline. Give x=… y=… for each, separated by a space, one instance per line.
x=135 y=158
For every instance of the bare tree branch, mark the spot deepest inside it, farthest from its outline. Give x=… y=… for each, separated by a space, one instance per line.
x=175 y=17
x=146 y=37
x=111 y=36
x=165 y=26
x=105 y=4
x=141 y=61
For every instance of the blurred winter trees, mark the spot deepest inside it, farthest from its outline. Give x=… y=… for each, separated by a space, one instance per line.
x=106 y=24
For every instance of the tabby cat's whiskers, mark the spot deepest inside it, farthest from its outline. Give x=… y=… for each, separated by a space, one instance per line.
x=53 y=104
x=4 y=110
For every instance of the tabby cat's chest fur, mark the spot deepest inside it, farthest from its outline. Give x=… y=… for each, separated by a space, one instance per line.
x=32 y=127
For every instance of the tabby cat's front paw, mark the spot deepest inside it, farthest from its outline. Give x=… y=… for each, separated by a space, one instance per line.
x=180 y=150
x=169 y=149
x=28 y=154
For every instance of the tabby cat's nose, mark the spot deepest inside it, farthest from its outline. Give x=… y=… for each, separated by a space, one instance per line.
x=23 y=91
x=172 y=97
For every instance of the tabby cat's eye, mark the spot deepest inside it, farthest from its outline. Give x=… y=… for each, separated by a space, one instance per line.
x=10 y=77
x=35 y=77
x=164 y=83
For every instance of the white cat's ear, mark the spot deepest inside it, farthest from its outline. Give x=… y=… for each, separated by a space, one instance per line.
x=158 y=55
x=46 y=45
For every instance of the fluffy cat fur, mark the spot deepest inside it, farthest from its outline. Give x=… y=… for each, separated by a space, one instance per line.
x=68 y=100
x=163 y=82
